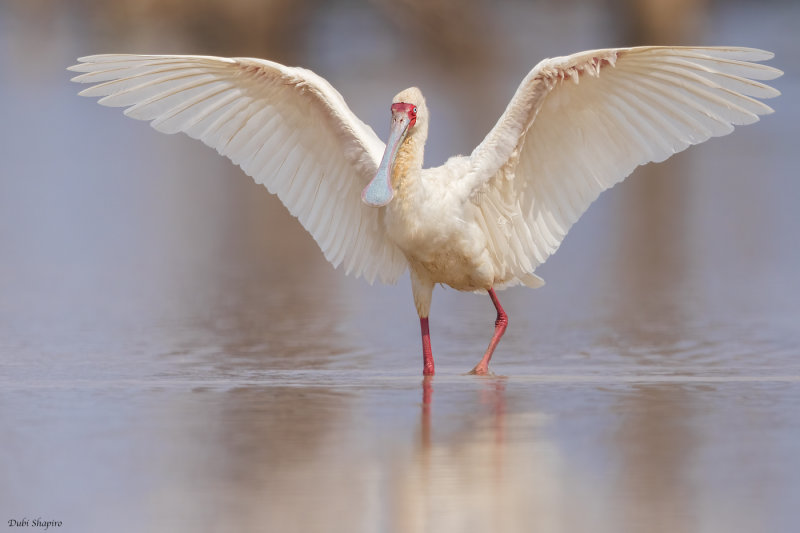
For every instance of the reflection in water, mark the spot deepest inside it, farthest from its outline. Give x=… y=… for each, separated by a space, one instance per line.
x=478 y=472
x=263 y=454
x=425 y=418
x=360 y=454
x=655 y=445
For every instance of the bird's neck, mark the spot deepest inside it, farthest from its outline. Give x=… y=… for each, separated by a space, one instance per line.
x=408 y=162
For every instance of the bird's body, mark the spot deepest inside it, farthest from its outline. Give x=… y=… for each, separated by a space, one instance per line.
x=444 y=238
x=438 y=234
x=576 y=126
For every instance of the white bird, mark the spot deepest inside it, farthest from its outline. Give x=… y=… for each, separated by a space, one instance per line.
x=576 y=126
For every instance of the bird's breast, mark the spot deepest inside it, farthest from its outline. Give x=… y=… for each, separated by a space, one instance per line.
x=441 y=242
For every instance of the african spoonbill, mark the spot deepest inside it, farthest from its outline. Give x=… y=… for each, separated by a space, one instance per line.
x=576 y=126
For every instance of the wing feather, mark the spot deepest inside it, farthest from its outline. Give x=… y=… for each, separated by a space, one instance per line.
x=286 y=127
x=579 y=124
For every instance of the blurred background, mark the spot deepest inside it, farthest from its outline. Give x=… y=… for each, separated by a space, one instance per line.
x=177 y=355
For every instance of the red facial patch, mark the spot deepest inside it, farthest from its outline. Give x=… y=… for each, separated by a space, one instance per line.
x=409 y=109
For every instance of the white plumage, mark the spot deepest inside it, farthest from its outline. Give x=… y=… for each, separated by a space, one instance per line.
x=576 y=126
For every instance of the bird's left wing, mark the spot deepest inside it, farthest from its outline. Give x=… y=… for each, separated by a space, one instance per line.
x=286 y=127
x=579 y=124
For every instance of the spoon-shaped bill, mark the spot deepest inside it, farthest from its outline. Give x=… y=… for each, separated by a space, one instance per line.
x=379 y=192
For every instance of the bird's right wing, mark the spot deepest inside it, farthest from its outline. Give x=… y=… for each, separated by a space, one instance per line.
x=286 y=127
x=579 y=124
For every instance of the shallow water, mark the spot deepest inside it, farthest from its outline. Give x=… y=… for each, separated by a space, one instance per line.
x=176 y=355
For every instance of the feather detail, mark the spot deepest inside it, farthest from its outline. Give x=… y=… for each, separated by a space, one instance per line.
x=286 y=127
x=579 y=124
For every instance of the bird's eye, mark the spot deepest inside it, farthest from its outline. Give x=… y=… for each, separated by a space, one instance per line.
x=414 y=110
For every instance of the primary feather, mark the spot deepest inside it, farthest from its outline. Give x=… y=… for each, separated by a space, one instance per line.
x=579 y=124
x=286 y=127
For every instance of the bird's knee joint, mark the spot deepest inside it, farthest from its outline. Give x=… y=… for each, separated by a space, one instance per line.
x=502 y=321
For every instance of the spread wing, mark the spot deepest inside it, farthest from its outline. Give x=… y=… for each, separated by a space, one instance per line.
x=579 y=124
x=286 y=127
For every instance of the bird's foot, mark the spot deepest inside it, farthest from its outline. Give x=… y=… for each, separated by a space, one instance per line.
x=480 y=370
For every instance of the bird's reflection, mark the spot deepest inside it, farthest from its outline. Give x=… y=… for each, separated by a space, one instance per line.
x=425 y=416
x=475 y=448
x=491 y=417
x=481 y=462
x=493 y=395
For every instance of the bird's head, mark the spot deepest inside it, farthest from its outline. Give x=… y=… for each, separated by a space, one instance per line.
x=409 y=119
x=410 y=104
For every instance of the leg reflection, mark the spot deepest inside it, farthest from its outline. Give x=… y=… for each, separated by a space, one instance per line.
x=486 y=417
x=425 y=420
x=480 y=462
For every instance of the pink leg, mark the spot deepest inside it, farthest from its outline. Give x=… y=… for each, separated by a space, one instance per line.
x=500 y=326
x=427 y=354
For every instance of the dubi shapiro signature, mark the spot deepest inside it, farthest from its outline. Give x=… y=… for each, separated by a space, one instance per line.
x=36 y=522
